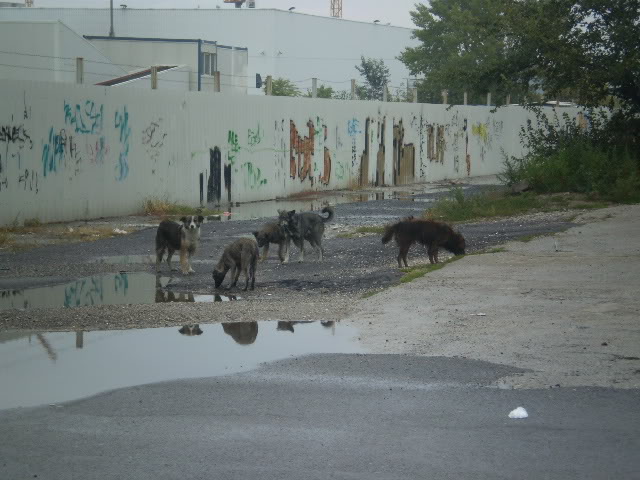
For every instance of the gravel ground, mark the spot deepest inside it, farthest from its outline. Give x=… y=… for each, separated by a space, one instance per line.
x=296 y=291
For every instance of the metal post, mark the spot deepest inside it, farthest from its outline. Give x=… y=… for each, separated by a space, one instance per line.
x=216 y=81
x=415 y=94
x=445 y=96
x=384 y=93
x=79 y=70
x=314 y=88
x=488 y=99
x=154 y=78
x=111 y=33
x=269 y=85
x=465 y=98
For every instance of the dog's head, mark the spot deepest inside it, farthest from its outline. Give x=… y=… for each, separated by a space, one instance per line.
x=190 y=330
x=287 y=220
x=192 y=222
x=455 y=244
x=261 y=237
x=218 y=276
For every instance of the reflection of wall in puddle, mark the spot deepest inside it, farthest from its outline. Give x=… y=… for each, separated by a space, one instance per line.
x=110 y=289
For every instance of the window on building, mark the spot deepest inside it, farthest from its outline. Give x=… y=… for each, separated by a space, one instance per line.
x=209 y=63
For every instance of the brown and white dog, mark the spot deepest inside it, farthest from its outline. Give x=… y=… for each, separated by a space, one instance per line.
x=183 y=236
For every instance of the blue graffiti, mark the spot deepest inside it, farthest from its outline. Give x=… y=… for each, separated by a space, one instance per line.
x=84 y=119
x=84 y=292
x=121 y=283
x=122 y=123
x=353 y=127
x=53 y=152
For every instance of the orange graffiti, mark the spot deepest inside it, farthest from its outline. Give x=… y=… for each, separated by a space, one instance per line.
x=326 y=177
x=303 y=149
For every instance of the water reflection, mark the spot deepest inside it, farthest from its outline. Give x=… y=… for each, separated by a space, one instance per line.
x=244 y=333
x=191 y=330
x=47 y=367
x=288 y=326
x=122 y=288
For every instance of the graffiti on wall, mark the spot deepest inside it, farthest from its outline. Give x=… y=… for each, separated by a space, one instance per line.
x=254 y=136
x=87 y=117
x=121 y=123
x=403 y=157
x=15 y=138
x=153 y=139
x=301 y=154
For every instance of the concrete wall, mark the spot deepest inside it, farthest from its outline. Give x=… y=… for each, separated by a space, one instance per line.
x=72 y=152
x=47 y=50
x=282 y=44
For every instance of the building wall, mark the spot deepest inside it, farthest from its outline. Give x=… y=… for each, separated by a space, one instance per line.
x=134 y=55
x=76 y=152
x=283 y=44
x=47 y=50
x=173 y=79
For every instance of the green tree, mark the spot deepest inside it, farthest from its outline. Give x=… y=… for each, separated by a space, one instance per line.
x=322 y=92
x=586 y=50
x=376 y=76
x=342 y=95
x=282 y=87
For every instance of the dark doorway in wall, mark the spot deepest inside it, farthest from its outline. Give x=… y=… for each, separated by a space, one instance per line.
x=214 y=184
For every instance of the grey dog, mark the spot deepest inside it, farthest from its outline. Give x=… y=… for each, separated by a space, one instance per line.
x=240 y=255
x=307 y=226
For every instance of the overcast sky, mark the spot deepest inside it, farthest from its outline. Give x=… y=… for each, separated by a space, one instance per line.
x=395 y=12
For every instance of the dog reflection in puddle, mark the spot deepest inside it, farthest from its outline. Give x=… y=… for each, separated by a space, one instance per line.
x=190 y=330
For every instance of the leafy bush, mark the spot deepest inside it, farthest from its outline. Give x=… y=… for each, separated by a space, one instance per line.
x=563 y=156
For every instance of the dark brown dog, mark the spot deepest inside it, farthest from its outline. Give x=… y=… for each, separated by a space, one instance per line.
x=427 y=232
x=273 y=233
x=240 y=255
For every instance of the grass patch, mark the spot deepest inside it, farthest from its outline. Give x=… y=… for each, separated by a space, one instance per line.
x=163 y=208
x=417 y=271
x=371 y=293
x=458 y=208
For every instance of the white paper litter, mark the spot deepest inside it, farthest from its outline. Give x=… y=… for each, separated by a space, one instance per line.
x=121 y=232
x=479 y=314
x=519 y=412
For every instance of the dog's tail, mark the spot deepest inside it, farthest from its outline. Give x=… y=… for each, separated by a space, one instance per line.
x=389 y=232
x=331 y=213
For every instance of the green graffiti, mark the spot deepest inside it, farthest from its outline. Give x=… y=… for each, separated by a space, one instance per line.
x=254 y=175
x=254 y=137
x=340 y=171
x=234 y=147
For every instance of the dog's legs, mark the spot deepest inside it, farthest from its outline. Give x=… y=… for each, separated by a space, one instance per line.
x=252 y=272
x=159 y=255
x=234 y=277
x=191 y=270
x=432 y=249
x=282 y=252
x=184 y=262
x=169 y=255
x=300 y=245
x=265 y=252
x=287 y=248
x=402 y=255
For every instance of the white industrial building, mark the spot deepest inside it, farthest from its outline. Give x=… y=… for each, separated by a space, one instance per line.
x=280 y=43
x=200 y=57
x=47 y=51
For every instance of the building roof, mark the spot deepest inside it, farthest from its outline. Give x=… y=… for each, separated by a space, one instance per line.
x=133 y=76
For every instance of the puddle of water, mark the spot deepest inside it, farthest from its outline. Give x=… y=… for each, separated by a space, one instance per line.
x=141 y=259
x=124 y=288
x=41 y=368
x=269 y=208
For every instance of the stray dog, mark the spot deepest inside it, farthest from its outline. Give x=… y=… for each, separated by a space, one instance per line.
x=241 y=255
x=427 y=232
x=183 y=236
x=273 y=233
x=190 y=330
x=307 y=226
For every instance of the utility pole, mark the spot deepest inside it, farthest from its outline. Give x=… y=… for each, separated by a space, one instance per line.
x=111 y=33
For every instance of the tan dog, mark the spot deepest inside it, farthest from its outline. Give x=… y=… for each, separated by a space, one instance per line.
x=240 y=255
